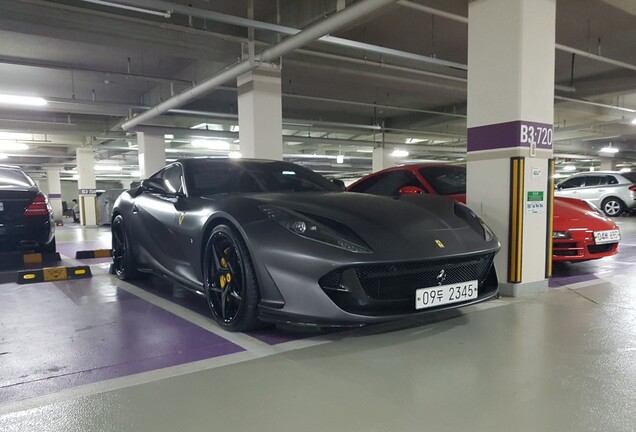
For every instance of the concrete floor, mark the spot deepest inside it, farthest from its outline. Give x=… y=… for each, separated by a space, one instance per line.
x=104 y=355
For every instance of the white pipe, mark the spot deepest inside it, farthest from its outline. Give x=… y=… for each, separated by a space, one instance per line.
x=596 y=57
x=312 y=33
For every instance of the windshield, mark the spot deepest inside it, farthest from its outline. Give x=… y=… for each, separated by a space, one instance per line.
x=219 y=176
x=631 y=176
x=445 y=180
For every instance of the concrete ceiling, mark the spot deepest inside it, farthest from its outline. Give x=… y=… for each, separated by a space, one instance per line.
x=97 y=64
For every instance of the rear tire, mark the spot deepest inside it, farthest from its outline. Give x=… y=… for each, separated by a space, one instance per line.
x=230 y=281
x=124 y=265
x=612 y=206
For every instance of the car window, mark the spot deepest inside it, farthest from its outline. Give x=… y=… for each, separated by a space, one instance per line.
x=611 y=180
x=631 y=176
x=209 y=177
x=571 y=183
x=388 y=183
x=171 y=178
x=591 y=181
x=10 y=177
x=445 y=180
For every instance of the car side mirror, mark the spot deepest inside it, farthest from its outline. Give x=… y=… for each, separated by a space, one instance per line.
x=339 y=183
x=410 y=190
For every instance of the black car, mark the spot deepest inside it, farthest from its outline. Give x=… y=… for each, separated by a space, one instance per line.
x=273 y=241
x=26 y=219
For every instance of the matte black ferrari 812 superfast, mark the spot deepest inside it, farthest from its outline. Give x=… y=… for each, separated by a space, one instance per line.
x=273 y=241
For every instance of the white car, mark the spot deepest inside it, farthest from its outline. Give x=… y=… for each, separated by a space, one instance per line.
x=611 y=191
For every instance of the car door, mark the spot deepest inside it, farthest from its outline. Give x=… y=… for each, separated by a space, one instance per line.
x=156 y=223
x=570 y=188
x=593 y=189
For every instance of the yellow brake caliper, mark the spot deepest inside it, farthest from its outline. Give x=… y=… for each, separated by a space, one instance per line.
x=225 y=278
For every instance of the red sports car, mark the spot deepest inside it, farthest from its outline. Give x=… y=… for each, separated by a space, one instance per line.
x=581 y=231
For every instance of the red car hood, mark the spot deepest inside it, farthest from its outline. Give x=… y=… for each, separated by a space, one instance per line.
x=570 y=213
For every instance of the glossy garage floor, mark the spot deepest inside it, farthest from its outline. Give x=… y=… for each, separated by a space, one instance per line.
x=104 y=355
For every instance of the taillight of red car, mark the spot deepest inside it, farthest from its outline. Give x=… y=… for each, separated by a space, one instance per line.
x=632 y=188
x=39 y=206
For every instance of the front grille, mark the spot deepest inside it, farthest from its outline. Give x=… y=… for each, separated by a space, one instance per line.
x=399 y=281
x=564 y=245
x=600 y=248
x=565 y=252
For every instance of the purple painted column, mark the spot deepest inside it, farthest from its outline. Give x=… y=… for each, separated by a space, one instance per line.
x=511 y=47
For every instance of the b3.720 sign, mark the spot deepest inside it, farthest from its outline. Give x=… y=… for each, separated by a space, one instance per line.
x=539 y=135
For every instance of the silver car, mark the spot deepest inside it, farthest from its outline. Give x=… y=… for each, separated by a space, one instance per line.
x=611 y=191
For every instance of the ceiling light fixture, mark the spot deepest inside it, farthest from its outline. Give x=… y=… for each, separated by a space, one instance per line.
x=340 y=159
x=108 y=168
x=623 y=170
x=130 y=8
x=13 y=146
x=610 y=149
x=3 y=156
x=234 y=155
x=634 y=121
x=7 y=99
x=569 y=168
x=399 y=153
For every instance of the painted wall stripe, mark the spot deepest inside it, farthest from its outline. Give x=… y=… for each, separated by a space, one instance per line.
x=550 y=221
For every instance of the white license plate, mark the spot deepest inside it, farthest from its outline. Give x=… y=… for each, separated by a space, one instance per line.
x=445 y=294
x=610 y=236
x=1 y=206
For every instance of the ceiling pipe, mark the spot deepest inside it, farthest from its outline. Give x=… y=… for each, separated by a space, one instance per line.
x=289 y=44
x=598 y=104
x=259 y=25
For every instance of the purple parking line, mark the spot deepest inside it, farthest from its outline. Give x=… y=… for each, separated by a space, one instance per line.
x=56 y=337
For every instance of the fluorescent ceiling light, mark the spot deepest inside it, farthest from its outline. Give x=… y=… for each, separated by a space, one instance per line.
x=208 y=126
x=569 y=168
x=13 y=146
x=3 y=156
x=235 y=155
x=364 y=150
x=21 y=100
x=234 y=128
x=108 y=168
x=169 y=136
x=634 y=121
x=625 y=169
x=130 y=8
x=210 y=144
x=340 y=159
x=610 y=149
x=399 y=153
x=413 y=140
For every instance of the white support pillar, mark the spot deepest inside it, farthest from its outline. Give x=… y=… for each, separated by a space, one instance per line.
x=511 y=46
x=55 y=192
x=381 y=159
x=86 y=186
x=606 y=164
x=260 y=113
x=152 y=153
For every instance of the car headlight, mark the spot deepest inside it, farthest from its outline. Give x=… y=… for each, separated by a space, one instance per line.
x=474 y=221
x=561 y=235
x=323 y=231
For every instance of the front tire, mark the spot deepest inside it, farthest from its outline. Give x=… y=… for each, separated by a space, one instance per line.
x=612 y=207
x=230 y=282
x=124 y=264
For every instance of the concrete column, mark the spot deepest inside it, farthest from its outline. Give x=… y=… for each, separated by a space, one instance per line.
x=511 y=47
x=260 y=113
x=152 y=153
x=55 y=192
x=86 y=186
x=606 y=164
x=382 y=159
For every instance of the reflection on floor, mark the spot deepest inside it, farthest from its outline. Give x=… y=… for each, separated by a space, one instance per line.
x=105 y=355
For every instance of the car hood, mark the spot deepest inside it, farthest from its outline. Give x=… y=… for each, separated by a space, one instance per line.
x=410 y=220
x=574 y=214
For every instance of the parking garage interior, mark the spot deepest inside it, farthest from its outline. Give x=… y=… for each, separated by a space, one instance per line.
x=96 y=96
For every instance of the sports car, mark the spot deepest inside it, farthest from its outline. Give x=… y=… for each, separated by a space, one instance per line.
x=273 y=241
x=581 y=231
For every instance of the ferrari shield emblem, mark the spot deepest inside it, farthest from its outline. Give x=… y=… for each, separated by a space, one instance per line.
x=181 y=218
x=439 y=243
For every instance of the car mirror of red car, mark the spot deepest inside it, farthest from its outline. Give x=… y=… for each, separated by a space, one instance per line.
x=409 y=190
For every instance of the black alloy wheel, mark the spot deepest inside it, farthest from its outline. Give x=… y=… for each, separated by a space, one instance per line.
x=123 y=262
x=231 y=288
